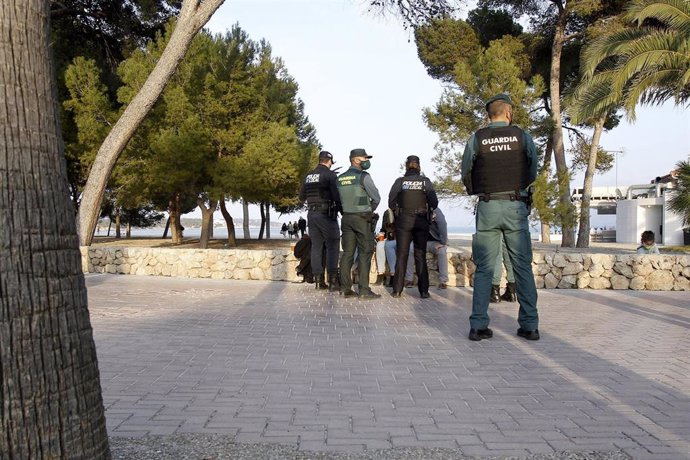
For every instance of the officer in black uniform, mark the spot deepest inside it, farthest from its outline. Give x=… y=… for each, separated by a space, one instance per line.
x=320 y=191
x=413 y=197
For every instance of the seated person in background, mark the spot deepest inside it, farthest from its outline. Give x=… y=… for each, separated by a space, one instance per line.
x=437 y=245
x=303 y=253
x=648 y=246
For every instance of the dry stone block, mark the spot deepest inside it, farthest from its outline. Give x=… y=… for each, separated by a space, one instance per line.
x=256 y=273
x=543 y=269
x=550 y=281
x=605 y=260
x=572 y=268
x=600 y=283
x=539 y=281
x=638 y=283
x=620 y=282
x=623 y=269
x=681 y=284
x=660 y=280
x=567 y=282
x=559 y=260
x=583 y=280
x=596 y=270
x=587 y=261
x=574 y=257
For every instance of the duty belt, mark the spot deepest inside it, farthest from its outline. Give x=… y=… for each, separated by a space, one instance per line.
x=503 y=196
x=413 y=210
x=321 y=207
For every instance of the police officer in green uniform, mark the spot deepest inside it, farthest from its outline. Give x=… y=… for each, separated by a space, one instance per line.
x=359 y=198
x=413 y=197
x=498 y=165
x=320 y=190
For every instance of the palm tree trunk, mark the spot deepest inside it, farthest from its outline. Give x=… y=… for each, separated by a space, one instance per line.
x=49 y=379
x=193 y=15
x=583 y=230
x=566 y=206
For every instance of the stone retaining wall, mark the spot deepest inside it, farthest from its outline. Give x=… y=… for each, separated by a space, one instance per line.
x=551 y=269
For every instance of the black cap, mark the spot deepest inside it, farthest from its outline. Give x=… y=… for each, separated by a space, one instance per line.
x=499 y=97
x=359 y=153
x=324 y=155
x=412 y=162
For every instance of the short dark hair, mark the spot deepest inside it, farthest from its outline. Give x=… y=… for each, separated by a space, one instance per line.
x=497 y=108
x=648 y=235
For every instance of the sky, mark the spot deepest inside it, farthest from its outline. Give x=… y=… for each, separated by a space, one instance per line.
x=364 y=87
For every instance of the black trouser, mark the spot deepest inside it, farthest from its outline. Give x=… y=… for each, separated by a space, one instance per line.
x=415 y=228
x=323 y=230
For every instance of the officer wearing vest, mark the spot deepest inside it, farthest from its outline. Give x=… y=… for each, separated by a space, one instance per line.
x=320 y=190
x=498 y=165
x=413 y=197
x=359 y=197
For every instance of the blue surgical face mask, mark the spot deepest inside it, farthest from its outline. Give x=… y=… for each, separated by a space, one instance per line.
x=365 y=165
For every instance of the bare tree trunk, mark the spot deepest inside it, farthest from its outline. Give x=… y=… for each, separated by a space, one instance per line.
x=583 y=230
x=175 y=225
x=167 y=226
x=128 y=232
x=268 y=220
x=110 y=224
x=49 y=380
x=546 y=168
x=245 y=219
x=566 y=211
x=118 y=224
x=263 y=220
x=232 y=242
x=193 y=15
x=206 y=220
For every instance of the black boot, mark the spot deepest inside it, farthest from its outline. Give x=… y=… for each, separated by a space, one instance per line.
x=320 y=282
x=509 y=295
x=390 y=281
x=495 y=293
x=380 y=278
x=333 y=281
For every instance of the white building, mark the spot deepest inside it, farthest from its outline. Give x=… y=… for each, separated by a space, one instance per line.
x=638 y=208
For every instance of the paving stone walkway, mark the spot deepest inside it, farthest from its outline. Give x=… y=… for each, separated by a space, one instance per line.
x=277 y=362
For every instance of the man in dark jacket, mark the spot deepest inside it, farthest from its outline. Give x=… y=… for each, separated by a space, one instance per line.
x=414 y=198
x=320 y=191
